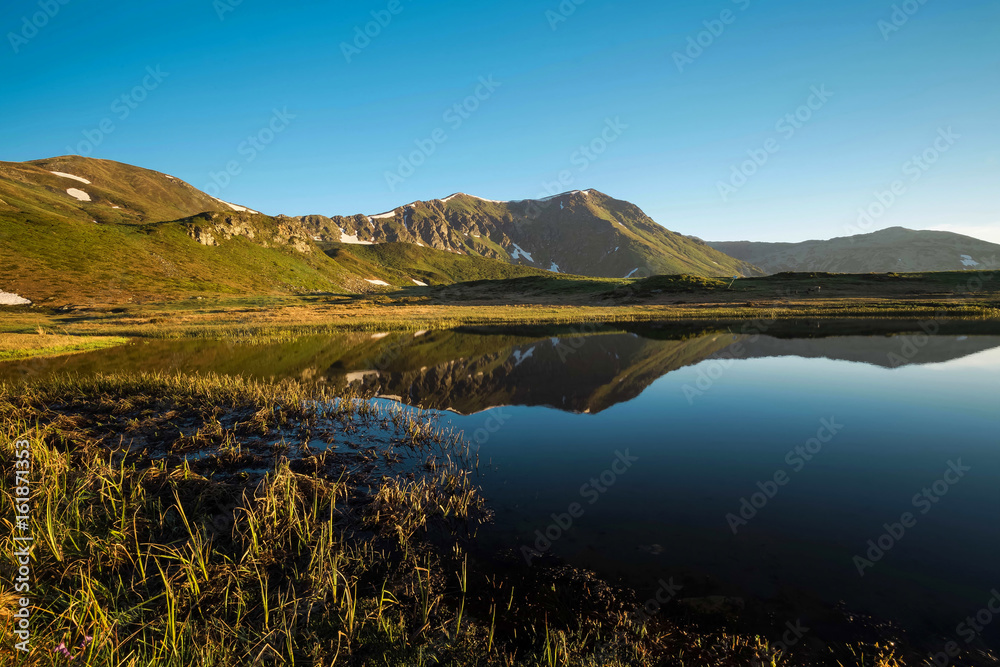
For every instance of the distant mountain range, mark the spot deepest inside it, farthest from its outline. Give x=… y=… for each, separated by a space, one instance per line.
x=81 y=229
x=890 y=250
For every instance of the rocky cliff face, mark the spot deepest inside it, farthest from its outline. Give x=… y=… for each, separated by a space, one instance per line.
x=209 y=228
x=581 y=232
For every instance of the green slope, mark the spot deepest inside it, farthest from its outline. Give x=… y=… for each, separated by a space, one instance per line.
x=402 y=263
x=135 y=239
x=140 y=195
x=51 y=259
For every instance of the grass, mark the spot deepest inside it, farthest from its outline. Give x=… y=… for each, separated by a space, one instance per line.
x=212 y=520
x=402 y=262
x=168 y=552
x=537 y=299
x=14 y=346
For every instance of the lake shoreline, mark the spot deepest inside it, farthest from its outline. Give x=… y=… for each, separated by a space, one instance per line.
x=111 y=431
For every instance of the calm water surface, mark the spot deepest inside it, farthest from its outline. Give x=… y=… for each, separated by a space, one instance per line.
x=758 y=466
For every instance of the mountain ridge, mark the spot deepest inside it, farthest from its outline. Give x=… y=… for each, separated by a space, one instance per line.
x=83 y=229
x=894 y=249
x=582 y=232
x=88 y=229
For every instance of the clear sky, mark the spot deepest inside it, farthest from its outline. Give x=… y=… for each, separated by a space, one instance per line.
x=665 y=131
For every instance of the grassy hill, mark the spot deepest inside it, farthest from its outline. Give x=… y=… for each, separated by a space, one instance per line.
x=118 y=193
x=103 y=231
x=59 y=261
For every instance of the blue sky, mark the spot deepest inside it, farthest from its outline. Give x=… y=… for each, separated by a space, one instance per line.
x=663 y=131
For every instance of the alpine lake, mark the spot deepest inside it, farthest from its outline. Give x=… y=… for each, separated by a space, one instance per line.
x=795 y=473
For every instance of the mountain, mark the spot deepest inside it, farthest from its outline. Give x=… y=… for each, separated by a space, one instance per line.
x=88 y=190
x=581 y=232
x=86 y=230
x=890 y=250
x=76 y=229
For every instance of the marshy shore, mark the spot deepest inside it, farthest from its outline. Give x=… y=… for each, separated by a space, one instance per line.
x=213 y=520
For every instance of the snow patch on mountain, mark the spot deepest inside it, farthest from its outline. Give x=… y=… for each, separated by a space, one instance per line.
x=968 y=261
x=75 y=178
x=11 y=299
x=520 y=357
x=520 y=252
x=632 y=273
x=383 y=216
x=239 y=209
x=78 y=194
x=418 y=283
x=380 y=283
x=554 y=268
x=353 y=240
